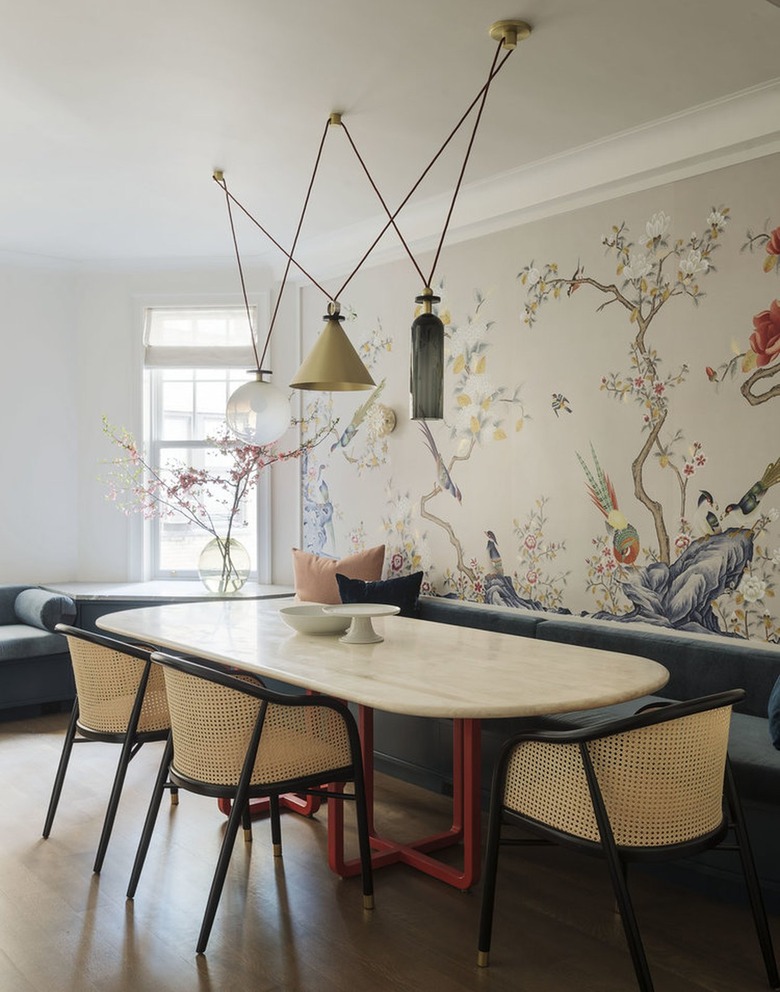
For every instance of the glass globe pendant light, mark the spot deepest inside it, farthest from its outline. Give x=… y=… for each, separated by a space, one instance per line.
x=258 y=412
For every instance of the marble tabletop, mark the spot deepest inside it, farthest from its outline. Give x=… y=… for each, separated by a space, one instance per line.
x=421 y=668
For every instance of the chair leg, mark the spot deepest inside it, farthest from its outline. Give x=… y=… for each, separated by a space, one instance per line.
x=489 y=874
x=751 y=881
x=151 y=816
x=276 y=825
x=364 y=841
x=246 y=823
x=113 y=802
x=59 y=779
x=228 y=841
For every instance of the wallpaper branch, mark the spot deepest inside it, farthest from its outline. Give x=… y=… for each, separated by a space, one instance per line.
x=563 y=479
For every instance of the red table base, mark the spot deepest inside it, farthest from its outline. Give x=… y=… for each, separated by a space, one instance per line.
x=305 y=805
x=465 y=828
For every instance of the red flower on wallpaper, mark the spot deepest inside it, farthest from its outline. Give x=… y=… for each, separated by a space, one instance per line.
x=773 y=244
x=765 y=339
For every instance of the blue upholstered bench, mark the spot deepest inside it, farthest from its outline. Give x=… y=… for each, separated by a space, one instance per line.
x=35 y=665
x=697 y=664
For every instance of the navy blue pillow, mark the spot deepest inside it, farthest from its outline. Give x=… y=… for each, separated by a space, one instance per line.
x=401 y=592
x=774 y=715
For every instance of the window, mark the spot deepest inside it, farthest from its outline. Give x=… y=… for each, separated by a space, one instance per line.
x=194 y=359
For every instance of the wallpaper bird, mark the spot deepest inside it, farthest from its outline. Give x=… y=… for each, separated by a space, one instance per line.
x=357 y=419
x=706 y=507
x=559 y=402
x=443 y=477
x=625 y=539
x=493 y=553
x=752 y=497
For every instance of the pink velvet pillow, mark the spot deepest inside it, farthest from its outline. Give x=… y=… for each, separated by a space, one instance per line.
x=315 y=576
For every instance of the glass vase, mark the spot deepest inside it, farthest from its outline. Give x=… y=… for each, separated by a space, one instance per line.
x=224 y=565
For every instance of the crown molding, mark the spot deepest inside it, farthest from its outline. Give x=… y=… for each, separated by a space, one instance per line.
x=734 y=129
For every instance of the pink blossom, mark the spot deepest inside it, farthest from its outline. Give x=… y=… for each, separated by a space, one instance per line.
x=682 y=541
x=532 y=577
x=530 y=541
x=688 y=469
x=397 y=562
x=659 y=389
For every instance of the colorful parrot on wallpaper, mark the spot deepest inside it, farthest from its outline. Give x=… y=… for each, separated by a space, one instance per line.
x=625 y=539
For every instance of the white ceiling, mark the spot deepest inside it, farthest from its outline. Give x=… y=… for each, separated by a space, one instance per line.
x=114 y=114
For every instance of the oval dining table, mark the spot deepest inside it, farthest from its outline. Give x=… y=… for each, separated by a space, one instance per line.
x=420 y=668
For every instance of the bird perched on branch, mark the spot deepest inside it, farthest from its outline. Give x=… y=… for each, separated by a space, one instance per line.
x=751 y=499
x=706 y=506
x=357 y=419
x=493 y=553
x=443 y=477
x=625 y=539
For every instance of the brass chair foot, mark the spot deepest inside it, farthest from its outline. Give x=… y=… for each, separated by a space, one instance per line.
x=368 y=902
x=174 y=799
x=277 y=850
x=482 y=959
x=248 y=836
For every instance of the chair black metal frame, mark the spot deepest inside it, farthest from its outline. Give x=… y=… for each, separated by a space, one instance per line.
x=131 y=738
x=619 y=856
x=324 y=783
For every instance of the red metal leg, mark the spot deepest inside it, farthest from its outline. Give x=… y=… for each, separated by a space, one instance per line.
x=305 y=805
x=465 y=827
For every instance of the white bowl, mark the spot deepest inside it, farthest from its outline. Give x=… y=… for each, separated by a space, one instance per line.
x=309 y=618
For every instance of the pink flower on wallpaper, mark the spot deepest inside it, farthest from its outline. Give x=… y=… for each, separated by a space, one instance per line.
x=773 y=245
x=765 y=339
x=688 y=468
x=531 y=577
x=530 y=541
x=396 y=562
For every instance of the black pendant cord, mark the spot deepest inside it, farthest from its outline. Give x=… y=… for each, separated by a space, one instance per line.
x=295 y=241
x=480 y=98
x=386 y=208
x=223 y=184
x=485 y=91
x=482 y=94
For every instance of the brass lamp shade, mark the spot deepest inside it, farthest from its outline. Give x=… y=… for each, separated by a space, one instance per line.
x=333 y=364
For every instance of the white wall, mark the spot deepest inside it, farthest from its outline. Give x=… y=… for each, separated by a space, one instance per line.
x=39 y=433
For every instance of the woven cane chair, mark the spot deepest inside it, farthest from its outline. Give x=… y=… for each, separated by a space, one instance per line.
x=232 y=738
x=650 y=787
x=120 y=699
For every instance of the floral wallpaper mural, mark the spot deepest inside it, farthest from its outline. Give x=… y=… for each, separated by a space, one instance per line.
x=596 y=456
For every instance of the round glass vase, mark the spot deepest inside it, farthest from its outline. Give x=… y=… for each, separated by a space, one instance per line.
x=224 y=565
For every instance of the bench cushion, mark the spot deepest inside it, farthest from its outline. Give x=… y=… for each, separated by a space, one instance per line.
x=698 y=664
x=18 y=640
x=484 y=617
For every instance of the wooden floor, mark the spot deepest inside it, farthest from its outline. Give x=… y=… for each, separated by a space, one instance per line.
x=290 y=924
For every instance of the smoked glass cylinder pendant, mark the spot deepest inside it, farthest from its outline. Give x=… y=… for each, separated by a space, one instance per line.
x=426 y=384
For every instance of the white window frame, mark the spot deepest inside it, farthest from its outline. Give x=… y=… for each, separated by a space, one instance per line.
x=152 y=420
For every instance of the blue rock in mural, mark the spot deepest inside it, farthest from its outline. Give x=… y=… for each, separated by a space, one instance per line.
x=681 y=595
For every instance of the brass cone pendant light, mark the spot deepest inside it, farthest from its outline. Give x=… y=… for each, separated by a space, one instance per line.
x=333 y=364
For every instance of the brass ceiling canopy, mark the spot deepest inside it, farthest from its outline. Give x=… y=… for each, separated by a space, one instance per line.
x=510 y=32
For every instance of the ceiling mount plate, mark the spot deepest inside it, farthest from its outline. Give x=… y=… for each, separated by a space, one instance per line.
x=510 y=32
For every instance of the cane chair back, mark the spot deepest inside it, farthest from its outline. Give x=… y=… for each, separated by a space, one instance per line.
x=662 y=784
x=212 y=729
x=120 y=699
x=655 y=786
x=107 y=680
x=232 y=738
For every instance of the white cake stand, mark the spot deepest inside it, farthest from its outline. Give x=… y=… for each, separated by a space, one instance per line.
x=361 y=630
